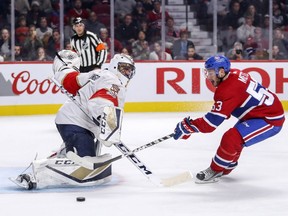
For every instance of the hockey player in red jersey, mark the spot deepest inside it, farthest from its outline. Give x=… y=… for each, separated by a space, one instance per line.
x=259 y=111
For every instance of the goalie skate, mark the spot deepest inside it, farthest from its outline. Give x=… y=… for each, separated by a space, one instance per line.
x=26 y=181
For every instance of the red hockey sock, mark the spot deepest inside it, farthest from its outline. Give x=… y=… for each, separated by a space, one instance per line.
x=228 y=152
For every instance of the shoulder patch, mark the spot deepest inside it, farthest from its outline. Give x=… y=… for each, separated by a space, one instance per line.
x=114 y=90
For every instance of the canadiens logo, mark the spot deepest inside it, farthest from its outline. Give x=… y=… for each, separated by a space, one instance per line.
x=114 y=90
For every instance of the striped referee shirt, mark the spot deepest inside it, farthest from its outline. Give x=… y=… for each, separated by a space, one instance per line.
x=91 y=50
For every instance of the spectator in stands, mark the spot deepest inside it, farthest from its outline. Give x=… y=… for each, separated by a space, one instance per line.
x=233 y=16
x=68 y=45
x=68 y=29
x=140 y=47
x=280 y=41
x=54 y=15
x=127 y=31
x=92 y=24
x=154 y=20
x=262 y=6
x=31 y=44
x=265 y=26
x=250 y=47
x=260 y=54
x=5 y=44
x=180 y=46
x=280 y=19
x=139 y=13
x=145 y=28
x=202 y=15
x=43 y=28
x=148 y=5
x=222 y=10
x=45 y=5
x=192 y=55
x=104 y=36
x=34 y=15
x=78 y=11
x=171 y=33
x=125 y=51
x=245 y=30
x=22 y=30
x=123 y=7
x=159 y=54
x=237 y=52
x=54 y=43
x=101 y=7
x=261 y=41
x=143 y=52
x=42 y=56
x=276 y=54
x=22 y=6
x=18 y=53
x=226 y=39
x=256 y=17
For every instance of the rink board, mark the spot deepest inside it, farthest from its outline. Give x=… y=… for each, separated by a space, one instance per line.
x=175 y=86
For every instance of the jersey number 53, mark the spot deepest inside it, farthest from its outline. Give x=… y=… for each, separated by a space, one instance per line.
x=260 y=93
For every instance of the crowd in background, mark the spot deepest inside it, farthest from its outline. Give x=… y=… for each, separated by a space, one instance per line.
x=243 y=28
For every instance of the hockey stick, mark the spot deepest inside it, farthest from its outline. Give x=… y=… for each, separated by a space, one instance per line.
x=95 y=165
x=130 y=155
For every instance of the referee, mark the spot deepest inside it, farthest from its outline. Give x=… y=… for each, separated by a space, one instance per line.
x=90 y=48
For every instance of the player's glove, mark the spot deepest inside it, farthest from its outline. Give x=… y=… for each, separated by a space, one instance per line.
x=184 y=129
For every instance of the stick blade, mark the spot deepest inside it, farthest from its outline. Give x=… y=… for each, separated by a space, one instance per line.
x=178 y=179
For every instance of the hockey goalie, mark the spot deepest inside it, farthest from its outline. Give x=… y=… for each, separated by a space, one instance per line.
x=91 y=118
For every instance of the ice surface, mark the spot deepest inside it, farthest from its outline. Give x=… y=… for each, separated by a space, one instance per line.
x=258 y=187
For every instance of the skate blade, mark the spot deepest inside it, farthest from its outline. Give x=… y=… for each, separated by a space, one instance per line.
x=20 y=184
x=197 y=181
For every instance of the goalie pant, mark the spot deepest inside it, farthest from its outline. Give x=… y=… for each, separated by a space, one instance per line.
x=62 y=172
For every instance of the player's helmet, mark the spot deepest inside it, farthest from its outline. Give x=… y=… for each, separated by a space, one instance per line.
x=217 y=62
x=123 y=66
x=66 y=58
x=77 y=20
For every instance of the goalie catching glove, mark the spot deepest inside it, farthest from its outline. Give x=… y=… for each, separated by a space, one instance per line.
x=184 y=129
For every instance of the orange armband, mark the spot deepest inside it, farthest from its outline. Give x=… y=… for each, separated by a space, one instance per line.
x=100 y=47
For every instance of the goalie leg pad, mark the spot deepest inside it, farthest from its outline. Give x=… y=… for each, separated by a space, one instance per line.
x=62 y=172
x=78 y=138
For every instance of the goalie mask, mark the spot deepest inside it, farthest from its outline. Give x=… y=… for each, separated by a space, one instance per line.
x=123 y=66
x=66 y=58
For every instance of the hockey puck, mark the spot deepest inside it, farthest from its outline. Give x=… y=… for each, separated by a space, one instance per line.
x=80 y=199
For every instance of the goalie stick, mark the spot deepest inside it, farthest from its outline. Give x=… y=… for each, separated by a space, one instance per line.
x=99 y=164
x=183 y=177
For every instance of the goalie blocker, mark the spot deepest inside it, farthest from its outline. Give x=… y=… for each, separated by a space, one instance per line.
x=110 y=125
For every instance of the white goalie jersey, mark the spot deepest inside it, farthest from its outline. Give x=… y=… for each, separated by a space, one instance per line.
x=93 y=91
x=103 y=89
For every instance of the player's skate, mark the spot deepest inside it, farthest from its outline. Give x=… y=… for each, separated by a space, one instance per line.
x=26 y=181
x=208 y=176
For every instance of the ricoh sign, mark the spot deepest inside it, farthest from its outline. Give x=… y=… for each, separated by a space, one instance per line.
x=29 y=84
x=185 y=81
